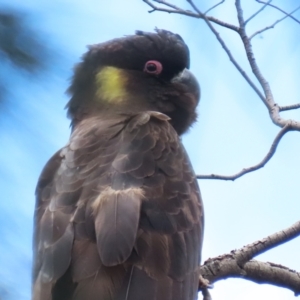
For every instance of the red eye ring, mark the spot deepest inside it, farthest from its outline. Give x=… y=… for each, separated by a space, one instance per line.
x=153 y=67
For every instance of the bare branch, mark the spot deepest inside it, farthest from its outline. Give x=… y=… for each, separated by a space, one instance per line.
x=194 y=6
x=249 y=251
x=225 y=267
x=289 y=107
x=214 y=6
x=237 y=263
x=177 y=10
x=232 y=59
x=278 y=8
x=260 y=165
x=170 y=5
x=260 y=10
x=274 y=24
x=269 y=99
x=266 y=28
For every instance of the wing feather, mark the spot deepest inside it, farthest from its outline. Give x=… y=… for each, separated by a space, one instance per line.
x=119 y=214
x=57 y=256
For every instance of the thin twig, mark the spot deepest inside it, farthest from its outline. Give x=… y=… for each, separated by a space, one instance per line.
x=278 y=8
x=260 y=10
x=188 y=13
x=244 y=171
x=232 y=59
x=274 y=24
x=177 y=10
x=289 y=107
x=214 y=6
x=194 y=6
x=169 y=5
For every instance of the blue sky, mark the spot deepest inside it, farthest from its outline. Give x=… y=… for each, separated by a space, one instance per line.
x=233 y=130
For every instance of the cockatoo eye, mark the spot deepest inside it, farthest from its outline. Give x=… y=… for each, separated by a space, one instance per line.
x=153 y=67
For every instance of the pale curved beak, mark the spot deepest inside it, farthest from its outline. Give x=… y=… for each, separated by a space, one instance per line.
x=189 y=81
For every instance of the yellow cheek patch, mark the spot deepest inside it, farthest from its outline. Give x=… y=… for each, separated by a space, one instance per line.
x=110 y=84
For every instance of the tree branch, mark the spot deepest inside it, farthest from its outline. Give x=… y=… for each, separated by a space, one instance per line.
x=231 y=58
x=250 y=55
x=269 y=99
x=289 y=107
x=224 y=267
x=278 y=8
x=259 y=11
x=244 y=171
x=237 y=264
x=213 y=7
x=252 y=250
x=274 y=24
x=177 y=10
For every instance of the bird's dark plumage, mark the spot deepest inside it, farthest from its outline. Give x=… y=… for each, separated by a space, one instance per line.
x=118 y=213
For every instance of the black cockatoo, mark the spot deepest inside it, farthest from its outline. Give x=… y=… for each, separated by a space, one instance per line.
x=118 y=211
